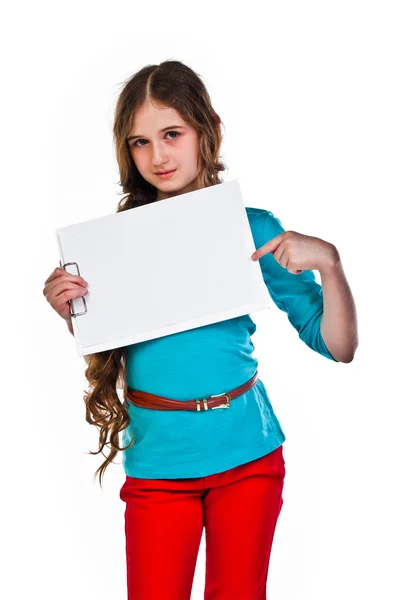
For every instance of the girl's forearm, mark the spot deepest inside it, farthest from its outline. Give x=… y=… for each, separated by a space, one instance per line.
x=339 y=319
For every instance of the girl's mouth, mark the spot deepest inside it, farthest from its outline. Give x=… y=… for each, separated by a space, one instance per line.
x=166 y=175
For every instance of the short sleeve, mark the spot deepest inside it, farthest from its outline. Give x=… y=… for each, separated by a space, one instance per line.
x=300 y=296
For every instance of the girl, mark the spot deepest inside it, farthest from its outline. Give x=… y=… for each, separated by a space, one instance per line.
x=201 y=443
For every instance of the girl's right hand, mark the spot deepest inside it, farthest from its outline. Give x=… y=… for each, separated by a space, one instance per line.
x=60 y=287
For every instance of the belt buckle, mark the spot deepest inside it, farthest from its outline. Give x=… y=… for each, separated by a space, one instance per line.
x=224 y=405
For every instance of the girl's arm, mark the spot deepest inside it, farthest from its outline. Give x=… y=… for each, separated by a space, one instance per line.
x=339 y=318
x=303 y=298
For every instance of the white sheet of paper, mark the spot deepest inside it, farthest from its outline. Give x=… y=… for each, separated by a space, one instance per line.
x=163 y=268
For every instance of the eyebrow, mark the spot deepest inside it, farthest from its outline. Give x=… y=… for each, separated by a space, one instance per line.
x=134 y=137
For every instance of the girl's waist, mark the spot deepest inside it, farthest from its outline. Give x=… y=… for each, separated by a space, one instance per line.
x=184 y=383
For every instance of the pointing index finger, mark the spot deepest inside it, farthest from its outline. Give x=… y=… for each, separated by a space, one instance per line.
x=269 y=246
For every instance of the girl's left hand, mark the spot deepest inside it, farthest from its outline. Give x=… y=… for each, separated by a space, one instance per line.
x=296 y=252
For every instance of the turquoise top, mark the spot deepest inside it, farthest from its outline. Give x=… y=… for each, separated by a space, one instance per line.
x=210 y=360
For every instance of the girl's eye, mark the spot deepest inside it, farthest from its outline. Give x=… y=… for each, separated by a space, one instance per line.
x=135 y=143
x=176 y=133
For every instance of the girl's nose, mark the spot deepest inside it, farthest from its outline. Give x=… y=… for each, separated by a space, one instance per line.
x=159 y=155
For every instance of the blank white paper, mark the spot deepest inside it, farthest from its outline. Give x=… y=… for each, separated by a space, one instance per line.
x=163 y=268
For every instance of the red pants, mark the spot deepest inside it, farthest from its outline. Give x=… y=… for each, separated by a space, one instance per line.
x=164 y=520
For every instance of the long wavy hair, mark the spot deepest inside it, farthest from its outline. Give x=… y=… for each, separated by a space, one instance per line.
x=169 y=84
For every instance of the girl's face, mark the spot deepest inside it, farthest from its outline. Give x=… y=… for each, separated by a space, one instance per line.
x=160 y=140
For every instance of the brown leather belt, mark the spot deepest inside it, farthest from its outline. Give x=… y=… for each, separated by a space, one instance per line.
x=146 y=400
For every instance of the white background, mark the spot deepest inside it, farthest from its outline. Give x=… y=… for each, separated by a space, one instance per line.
x=309 y=95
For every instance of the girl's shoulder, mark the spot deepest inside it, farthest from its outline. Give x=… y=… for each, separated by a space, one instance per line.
x=261 y=218
x=251 y=210
x=257 y=213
